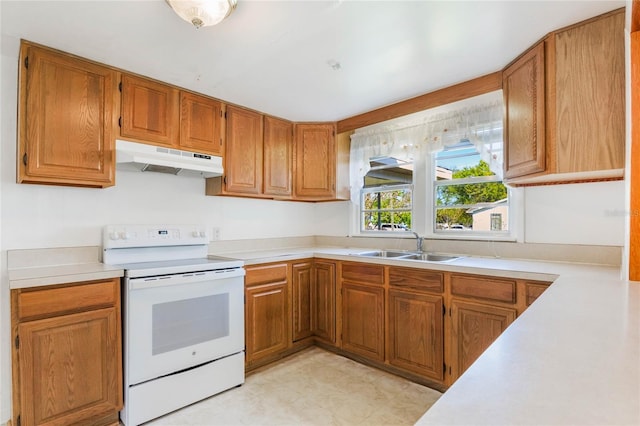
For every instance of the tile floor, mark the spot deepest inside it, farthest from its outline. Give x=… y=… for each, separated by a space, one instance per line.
x=313 y=387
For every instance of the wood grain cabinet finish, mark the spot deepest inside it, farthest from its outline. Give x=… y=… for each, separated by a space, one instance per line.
x=200 y=124
x=150 y=111
x=565 y=106
x=363 y=320
x=416 y=333
x=243 y=152
x=68 y=363
x=474 y=326
x=267 y=316
x=524 y=125
x=323 y=294
x=315 y=166
x=66 y=119
x=534 y=289
x=278 y=157
x=302 y=277
x=486 y=288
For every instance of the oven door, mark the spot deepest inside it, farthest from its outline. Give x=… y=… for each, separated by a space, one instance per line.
x=175 y=322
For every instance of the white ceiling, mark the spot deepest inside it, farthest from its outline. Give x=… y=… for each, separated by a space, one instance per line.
x=273 y=56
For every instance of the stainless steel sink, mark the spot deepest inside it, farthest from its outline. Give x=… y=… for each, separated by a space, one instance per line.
x=410 y=255
x=386 y=253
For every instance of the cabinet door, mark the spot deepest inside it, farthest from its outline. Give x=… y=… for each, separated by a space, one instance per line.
x=278 y=148
x=363 y=320
x=590 y=95
x=416 y=333
x=149 y=111
x=301 y=282
x=66 y=120
x=315 y=161
x=70 y=368
x=524 y=127
x=474 y=327
x=323 y=296
x=267 y=322
x=243 y=153
x=200 y=119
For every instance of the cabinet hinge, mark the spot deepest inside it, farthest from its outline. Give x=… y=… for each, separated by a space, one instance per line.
x=17 y=342
x=26 y=62
x=120 y=86
x=18 y=420
x=444 y=368
x=444 y=310
x=119 y=121
x=24 y=159
x=449 y=370
x=220 y=141
x=449 y=311
x=225 y=115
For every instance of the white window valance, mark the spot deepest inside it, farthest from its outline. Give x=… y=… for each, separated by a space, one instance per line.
x=406 y=140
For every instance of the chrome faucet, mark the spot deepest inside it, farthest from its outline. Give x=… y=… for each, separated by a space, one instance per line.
x=419 y=241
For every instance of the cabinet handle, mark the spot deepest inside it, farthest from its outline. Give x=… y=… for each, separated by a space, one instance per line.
x=24 y=159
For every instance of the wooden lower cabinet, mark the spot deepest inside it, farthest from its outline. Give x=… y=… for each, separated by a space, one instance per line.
x=363 y=320
x=67 y=361
x=267 y=318
x=416 y=333
x=302 y=299
x=474 y=326
x=323 y=295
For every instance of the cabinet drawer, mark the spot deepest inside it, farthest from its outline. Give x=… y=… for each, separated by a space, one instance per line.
x=51 y=301
x=363 y=273
x=417 y=279
x=484 y=288
x=266 y=274
x=534 y=290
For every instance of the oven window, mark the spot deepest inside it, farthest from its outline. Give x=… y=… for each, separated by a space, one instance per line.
x=185 y=323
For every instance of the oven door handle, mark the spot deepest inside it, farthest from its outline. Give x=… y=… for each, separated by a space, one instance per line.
x=144 y=283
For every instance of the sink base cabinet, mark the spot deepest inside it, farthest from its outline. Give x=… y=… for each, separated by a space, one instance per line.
x=363 y=320
x=416 y=333
x=67 y=357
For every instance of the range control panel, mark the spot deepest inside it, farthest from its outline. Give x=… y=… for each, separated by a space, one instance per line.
x=126 y=236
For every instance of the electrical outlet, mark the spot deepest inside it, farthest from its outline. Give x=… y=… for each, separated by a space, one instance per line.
x=215 y=234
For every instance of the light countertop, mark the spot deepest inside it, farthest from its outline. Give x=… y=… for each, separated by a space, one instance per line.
x=573 y=357
x=61 y=274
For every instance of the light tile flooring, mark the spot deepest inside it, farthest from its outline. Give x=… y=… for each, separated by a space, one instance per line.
x=313 y=387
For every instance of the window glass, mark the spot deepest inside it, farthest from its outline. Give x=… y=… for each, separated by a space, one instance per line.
x=468 y=196
x=387 y=201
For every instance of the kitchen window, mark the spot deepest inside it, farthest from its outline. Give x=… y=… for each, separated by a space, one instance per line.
x=468 y=196
x=437 y=173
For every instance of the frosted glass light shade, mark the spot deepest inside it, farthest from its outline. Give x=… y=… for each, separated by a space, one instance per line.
x=203 y=13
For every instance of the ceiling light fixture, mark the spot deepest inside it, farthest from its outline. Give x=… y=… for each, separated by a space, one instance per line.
x=203 y=13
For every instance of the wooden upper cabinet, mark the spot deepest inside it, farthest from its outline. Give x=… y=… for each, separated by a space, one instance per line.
x=590 y=95
x=524 y=129
x=244 y=153
x=565 y=106
x=278 y=150
x=200 y=124
x=315 y=161
x=149 y=111
x=66 y=119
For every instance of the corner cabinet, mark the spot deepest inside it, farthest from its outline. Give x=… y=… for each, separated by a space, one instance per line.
x=562 y=125
x=320 y=163
x=67 y=355
x=67 y=119
x=278 y=157
x=301 y=280
x=200 y=124
x=323 y=301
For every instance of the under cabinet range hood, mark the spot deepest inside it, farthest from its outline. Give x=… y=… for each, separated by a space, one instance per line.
x=151 y=158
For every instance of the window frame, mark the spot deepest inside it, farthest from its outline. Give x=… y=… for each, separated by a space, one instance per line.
x=384 y=188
